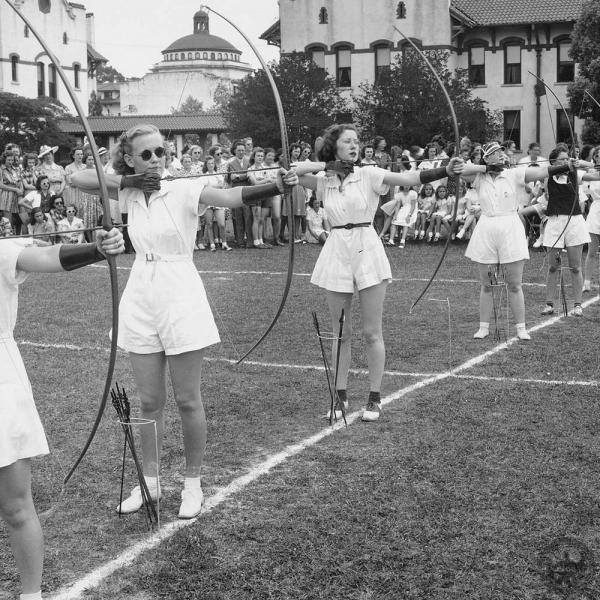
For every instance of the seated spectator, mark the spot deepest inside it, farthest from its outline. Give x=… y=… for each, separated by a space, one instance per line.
x=69 y=223
x=41 y=223
x=317 y=225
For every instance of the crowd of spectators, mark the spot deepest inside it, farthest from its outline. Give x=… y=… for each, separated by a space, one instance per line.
x=36 y=195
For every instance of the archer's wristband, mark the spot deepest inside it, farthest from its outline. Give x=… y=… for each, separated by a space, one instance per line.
x=558 y=169
x=252 y=194
x=430 y=175
x=78 y=255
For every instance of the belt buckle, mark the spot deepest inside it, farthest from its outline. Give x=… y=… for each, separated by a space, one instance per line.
x=149 y=257
x=348 y=226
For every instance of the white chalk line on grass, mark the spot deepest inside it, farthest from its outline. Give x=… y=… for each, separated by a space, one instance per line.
x=283 y=273
x=95 y=577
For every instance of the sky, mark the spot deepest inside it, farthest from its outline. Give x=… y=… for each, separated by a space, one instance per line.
x=132 y=33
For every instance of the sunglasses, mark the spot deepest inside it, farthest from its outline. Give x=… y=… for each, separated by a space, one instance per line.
x=146 y=155
x=70 y=212
x=59 y=202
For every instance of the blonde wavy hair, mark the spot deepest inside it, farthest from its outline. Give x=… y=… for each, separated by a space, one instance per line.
x=124 y=146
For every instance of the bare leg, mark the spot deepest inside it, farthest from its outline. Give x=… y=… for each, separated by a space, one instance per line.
x=486 y=299
x=371 y=309
x=150 y=379
x=336 y=302
x=186 y=371
x=552 y=277
x=513 y=273
x=574 y=256
x=24 y=529
x=591 y=259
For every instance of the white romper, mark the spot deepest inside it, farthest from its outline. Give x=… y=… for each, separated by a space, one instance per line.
x=164 y=307
x=21 y=431
x=352 y=257
x=499 y=236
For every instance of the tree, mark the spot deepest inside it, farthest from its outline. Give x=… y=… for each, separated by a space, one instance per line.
x=221 y=96
x=309 y=96
x=406 y=106
x=191 y=106
x=94 y=106
x=31 y=122
x=585 y=50
x=108 y=74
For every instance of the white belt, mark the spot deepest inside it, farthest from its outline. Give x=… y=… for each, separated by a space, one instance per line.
x=153 y=257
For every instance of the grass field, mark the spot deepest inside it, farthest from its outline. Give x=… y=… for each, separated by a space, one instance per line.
x=486 y=454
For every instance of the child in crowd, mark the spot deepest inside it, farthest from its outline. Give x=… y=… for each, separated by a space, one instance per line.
x=441 y=209
x=425 y=203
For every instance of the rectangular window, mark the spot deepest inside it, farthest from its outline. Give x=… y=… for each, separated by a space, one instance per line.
x=52 y=81
x=76 y=70
x=14 y=68
x=318 y=57
x=41 y=77
x=512 y=64
x=512 y=126
x=344 y=71
x=565 y=64
x=382 y=61
x=563 y=131
x=477 y=65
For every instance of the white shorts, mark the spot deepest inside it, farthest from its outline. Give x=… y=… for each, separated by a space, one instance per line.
x=593 y=218
x=498 y=240
x=572 y=231
x=21 y=431
x=351 y=258
x=164 y=308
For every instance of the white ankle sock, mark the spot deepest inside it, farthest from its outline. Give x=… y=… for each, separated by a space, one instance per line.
x=192 y=483
x=34 y=596
x=521 y=327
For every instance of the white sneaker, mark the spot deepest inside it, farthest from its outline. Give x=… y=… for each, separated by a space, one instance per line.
x=481 y=333
x=537 y=243
x=372 y=412
x=135 y=500
x=523 y=335
x=192 y=500
x=460 y=234
x=578 y=311
x=338 y=411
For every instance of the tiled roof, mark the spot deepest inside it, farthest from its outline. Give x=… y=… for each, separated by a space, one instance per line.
x=512 y=12
x=116 y=125
x=95 y=55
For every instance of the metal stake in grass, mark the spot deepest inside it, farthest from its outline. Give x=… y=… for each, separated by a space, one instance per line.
x=120 y=401
x=447 y=302
x=331 y=381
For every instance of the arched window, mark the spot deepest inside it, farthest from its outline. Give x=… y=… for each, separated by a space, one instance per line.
x=382 y=60
x=52 y=82
x=212 y=56
x=564 y=63
x=182 y=56
x=189 y=56
x=44 y=6
x=401 y=10
x=14 y=67
x=197 y=55
x=65 y=38
x=26 y=31
x=41 y=79
x=220 y=56
x=205 y=55
x=76 y=74
x=512 y=63
x=344 y=67
x=318 y=56
x=323 y=16
x=477 y=65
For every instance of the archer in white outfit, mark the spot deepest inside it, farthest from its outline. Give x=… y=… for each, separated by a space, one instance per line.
x=353 y=257
x=165 y=317
x=21 y=433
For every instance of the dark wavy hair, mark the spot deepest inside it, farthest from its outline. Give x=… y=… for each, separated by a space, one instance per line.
x=38 y=182
x=330 y=137
x=554 y=154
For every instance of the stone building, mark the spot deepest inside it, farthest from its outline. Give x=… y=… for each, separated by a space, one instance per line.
x=194 y=65
x=498 y=42
x=26 y=70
